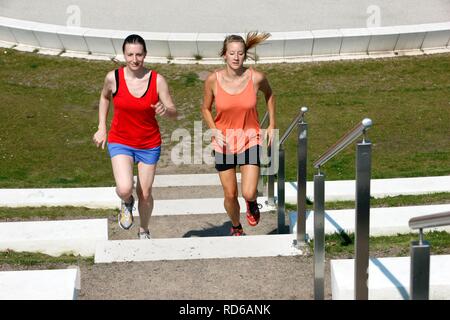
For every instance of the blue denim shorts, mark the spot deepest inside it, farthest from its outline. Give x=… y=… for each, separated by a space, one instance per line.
x=147 y=156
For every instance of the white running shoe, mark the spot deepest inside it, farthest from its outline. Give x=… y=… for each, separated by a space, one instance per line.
x=125 y=217
x=144 y=235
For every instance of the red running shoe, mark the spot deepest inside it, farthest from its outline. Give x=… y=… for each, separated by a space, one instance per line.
x=253 y=214
x=237 y=231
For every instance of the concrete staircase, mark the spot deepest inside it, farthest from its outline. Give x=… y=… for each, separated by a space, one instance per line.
x=89 y=237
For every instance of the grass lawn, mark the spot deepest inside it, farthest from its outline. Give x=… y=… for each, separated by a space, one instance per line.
x=395 y=201
x=49 y=108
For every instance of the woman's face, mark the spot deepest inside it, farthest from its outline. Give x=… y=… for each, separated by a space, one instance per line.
x=134 y=55
x=234 y=57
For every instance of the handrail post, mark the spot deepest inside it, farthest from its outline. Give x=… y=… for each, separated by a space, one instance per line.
x=301 y=182
x=281 y=191
x=420 y=269
x=319 y=236
x=362 y=219
x=261 y=185
x=271 y=188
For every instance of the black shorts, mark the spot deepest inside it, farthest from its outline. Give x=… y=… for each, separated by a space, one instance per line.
x=229 y=161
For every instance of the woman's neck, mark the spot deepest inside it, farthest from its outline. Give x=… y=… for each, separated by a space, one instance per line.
x=234 y=73
x=136 y=74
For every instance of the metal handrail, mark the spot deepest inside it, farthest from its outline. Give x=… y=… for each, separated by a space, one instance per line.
x=362 y=211
x=264 y=119
x=419 y=282
x=430 y=221
x=294 y=122
x=261 y=183
x=347 y=139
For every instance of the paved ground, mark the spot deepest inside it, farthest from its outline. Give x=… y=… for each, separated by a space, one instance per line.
x=227 y=16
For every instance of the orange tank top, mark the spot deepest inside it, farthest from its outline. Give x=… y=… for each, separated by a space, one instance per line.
x=237 y=118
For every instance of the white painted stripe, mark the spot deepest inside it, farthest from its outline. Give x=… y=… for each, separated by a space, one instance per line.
x=195 y=248
x=107 y=198
x=39 y=285
x=389 y=278
x=383 y=221
x=54 y=237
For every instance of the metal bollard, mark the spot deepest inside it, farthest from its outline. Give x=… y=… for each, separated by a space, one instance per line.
x=362 y=219
x=281 y=192
x=420 y=269
x=301 y=182
x=319 y=236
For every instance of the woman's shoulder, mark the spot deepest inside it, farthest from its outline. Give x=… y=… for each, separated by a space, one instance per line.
x=257 y=75
x=111 y=76
x=212 y=76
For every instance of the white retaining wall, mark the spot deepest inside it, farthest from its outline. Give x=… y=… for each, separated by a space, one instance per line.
x=188 y=46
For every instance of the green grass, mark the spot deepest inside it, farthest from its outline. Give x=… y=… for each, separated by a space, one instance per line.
x=395 y=201
x=340 y=245
x=54 y=213
x=49 y=108
x=31 y=259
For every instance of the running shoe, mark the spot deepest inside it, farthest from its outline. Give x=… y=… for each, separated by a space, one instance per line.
x=253 y=214
x=237 y=231
x=125 y=217
x=144 y=235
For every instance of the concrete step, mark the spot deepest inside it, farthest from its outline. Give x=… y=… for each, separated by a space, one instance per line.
x=60 y=284
x=53 y=197
x=389 y=278
x=54 y=238
x=342 y=190
x=197 y=206
x=107 y=198
x=383 y=221
x=187 y=180
x=195 y=248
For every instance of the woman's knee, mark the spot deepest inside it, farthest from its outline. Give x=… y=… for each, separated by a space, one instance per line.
x=249 y=194
x=230 y=195
x=124 y=191
x=144 y=195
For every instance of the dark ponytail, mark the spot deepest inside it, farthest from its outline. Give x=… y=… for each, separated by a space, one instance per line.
x=134 y=38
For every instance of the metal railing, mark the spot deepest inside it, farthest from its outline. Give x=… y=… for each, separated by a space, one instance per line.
x=343 y=142
x=363 y=172
x=420 y=254
x=261 y=186
x=301 y=185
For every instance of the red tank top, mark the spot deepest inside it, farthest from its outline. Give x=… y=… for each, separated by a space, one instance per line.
x=134 y=123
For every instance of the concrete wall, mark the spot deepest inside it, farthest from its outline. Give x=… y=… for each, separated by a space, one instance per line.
x=199 y=16
x=191 y=46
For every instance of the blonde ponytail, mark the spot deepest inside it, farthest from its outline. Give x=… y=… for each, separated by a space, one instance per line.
x=252 y=39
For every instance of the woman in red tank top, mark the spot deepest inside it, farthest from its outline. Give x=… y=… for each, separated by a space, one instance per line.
x=236 y=132
x=139 y=95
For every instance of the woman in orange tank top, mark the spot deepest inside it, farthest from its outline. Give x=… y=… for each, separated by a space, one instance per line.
x=236 y=133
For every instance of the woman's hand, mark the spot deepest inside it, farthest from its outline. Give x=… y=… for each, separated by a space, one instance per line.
x=219 y=137
x=269 y=134
x=160 y=109
x=100 y=138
